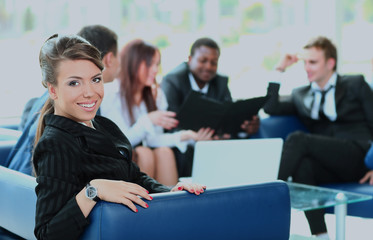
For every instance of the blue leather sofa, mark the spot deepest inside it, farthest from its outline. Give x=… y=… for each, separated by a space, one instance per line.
x=8 y=138
x=281 y=126
x=13 y=124
x=7 y=134
x=258 y=211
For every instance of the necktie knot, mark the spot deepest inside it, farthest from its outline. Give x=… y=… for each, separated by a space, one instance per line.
x=325 y=91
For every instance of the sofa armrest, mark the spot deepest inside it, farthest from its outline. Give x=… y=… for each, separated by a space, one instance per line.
x=17 y=202
x=257 y=211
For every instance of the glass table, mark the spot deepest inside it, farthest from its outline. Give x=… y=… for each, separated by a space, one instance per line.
x=305 y=197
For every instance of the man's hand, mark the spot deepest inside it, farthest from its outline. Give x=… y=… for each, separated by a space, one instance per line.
x=367 y=178
x=224 y=136
x=287 y=61
x=252 y=126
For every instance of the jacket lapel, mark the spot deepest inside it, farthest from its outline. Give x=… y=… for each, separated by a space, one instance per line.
x=211 y=93
x=102 y=143
x=339 y=90
x=184 y=80
x=308 y=97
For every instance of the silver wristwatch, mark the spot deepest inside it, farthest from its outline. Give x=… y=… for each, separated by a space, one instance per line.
x=91 y=192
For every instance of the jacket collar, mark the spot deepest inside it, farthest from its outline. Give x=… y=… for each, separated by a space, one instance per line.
x=339 y=89
x=67 y=125
x=93 y=140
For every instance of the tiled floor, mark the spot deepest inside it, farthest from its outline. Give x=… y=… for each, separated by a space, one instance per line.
x=356 y=228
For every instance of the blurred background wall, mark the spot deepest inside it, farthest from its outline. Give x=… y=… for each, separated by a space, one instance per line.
x=252 y=35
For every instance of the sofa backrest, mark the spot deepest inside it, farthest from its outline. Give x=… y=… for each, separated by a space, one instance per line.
x=257 y=211
x=9 y=134
x=279 y=126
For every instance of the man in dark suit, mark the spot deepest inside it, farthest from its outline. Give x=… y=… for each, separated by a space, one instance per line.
x=337 y=110
x=199 y=74
x=104 y=40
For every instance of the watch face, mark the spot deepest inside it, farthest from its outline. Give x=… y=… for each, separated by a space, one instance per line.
x=91 y=192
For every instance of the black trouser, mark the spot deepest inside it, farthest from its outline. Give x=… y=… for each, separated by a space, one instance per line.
x=315 y=159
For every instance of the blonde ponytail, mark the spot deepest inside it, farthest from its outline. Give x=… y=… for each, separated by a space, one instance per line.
x=48 y=108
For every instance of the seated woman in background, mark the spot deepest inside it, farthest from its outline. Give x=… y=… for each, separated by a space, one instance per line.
x=80 y=159
x=138 y=107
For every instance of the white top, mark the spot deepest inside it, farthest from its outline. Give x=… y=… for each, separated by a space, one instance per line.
x=143 y=130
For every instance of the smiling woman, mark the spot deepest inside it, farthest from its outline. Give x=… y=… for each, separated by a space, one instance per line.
x=80 y=158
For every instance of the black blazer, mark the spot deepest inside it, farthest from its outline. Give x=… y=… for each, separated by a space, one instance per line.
x=354 y=106
x=176 y=86
x=66 y=158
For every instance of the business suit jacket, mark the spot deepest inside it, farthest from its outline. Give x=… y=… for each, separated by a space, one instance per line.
x=354 y=106
x=176 y=86
x=66 y=158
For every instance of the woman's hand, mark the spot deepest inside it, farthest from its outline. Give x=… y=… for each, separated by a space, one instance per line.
x=195 y=188
x=122 y=192
x=368 y=177
x=165 y=119
x=204 y=134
